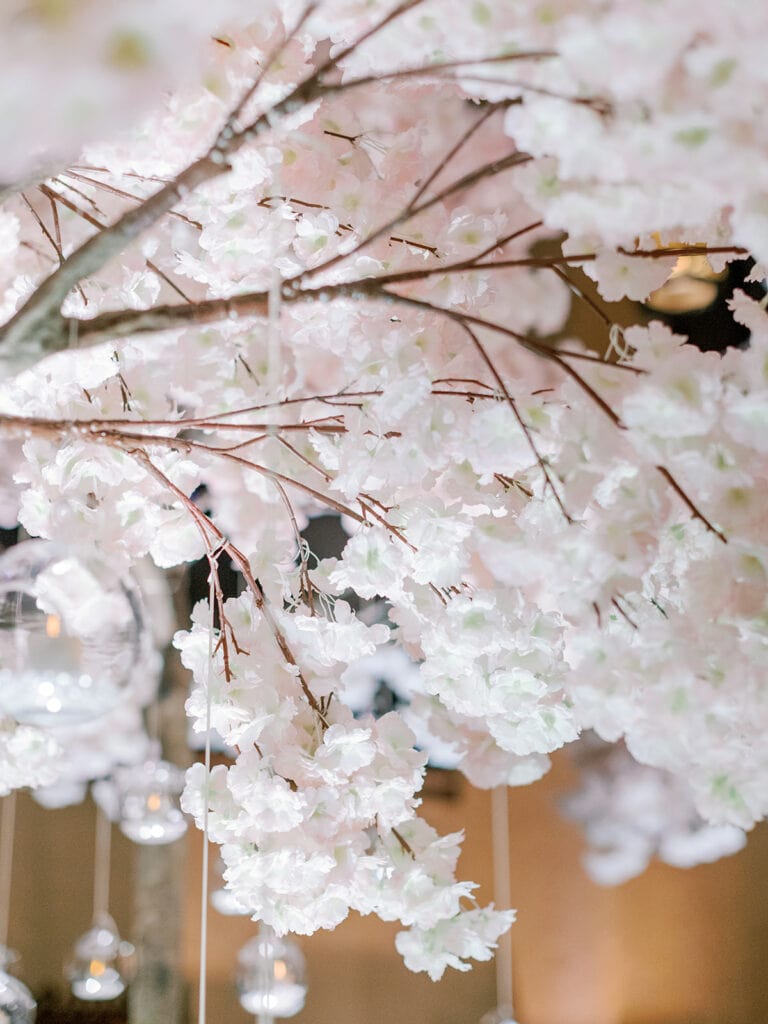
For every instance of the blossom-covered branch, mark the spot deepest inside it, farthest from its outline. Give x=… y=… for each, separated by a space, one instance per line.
x=340 y=304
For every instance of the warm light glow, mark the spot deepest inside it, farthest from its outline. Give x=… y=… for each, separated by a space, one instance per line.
x=697 y=265
x=154 y=802
x=53 y=626
x=96 y=968
x=690 y=287
x=682 y=294
x=280 y=970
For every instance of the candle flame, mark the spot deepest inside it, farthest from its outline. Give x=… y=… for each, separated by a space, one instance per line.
x=280 y=970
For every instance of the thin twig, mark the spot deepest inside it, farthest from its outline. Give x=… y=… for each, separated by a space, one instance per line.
x=697 y=513
x=520 y=421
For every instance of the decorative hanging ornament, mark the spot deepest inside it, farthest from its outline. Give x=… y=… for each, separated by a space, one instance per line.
x=271 y=976
x=101 y=962
x=498 y=1016
x=150 y=802
x=99 y=968
x=70 y=634
x=16 y=1003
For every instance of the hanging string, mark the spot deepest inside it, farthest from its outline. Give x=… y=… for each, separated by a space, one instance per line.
x=274 y=362
x=274 y=299
x=7 y=825
x=153 y=730
x=102 y=857
x=267 y=971
x=202 y=988
x=502 y=894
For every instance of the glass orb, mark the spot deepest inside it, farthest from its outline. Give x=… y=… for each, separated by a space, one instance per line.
x=500 y=1015
x=150 y=807
x=271 y=976
x=16 y=1003
x=70 y=633
x=100 y=965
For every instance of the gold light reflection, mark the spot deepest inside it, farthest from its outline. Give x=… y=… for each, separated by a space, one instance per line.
x=96 y=968
x=280 y=970
x=153 y=802
x=53 y=626
x=691 y=287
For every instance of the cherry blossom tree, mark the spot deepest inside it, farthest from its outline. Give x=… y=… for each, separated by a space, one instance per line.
x=301 y=259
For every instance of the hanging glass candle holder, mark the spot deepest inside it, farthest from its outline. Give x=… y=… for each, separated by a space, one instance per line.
x=150 y=805
x=16 y=1003
x=498 y=1016
x=70 y=634
x=224 y=900
x=271 y=976
x=101 y=965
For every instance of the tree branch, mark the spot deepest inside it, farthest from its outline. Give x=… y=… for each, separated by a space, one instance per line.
x=38 y=327
x=520 y=421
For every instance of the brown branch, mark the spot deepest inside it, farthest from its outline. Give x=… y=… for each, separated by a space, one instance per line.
x=452 y=152
x=684 y=250
x=228 y=128
x=306 y=583
x=696 y=512
x=520 y=421
x=265 y=471
x=623 y=614
x=488 y=170
x=55 y=240
x=394 y=14
x=400 y=277
x=597 y=103
x=509 y=483
x=59 y=180
x=429 y=70
x=124 y=323
x=38 y=327
x=70 y=204
x=208 y=423
x=241 y=562
x=104 y=186
x=169 y=281
x=404 y=846
x=464 y=319
x=574 y=288
x=56 y=246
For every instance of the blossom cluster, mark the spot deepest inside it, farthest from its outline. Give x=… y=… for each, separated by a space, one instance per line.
x=317 y=814
x=342 y=310
x=631 y=812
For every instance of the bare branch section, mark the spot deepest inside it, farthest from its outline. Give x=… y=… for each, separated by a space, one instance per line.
x=125 y=323
x=209 y=530
x=38 y=327
x=526 y=430
x=112 y=326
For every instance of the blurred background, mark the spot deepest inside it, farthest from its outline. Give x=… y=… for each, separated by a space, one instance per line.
x=671 y=946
